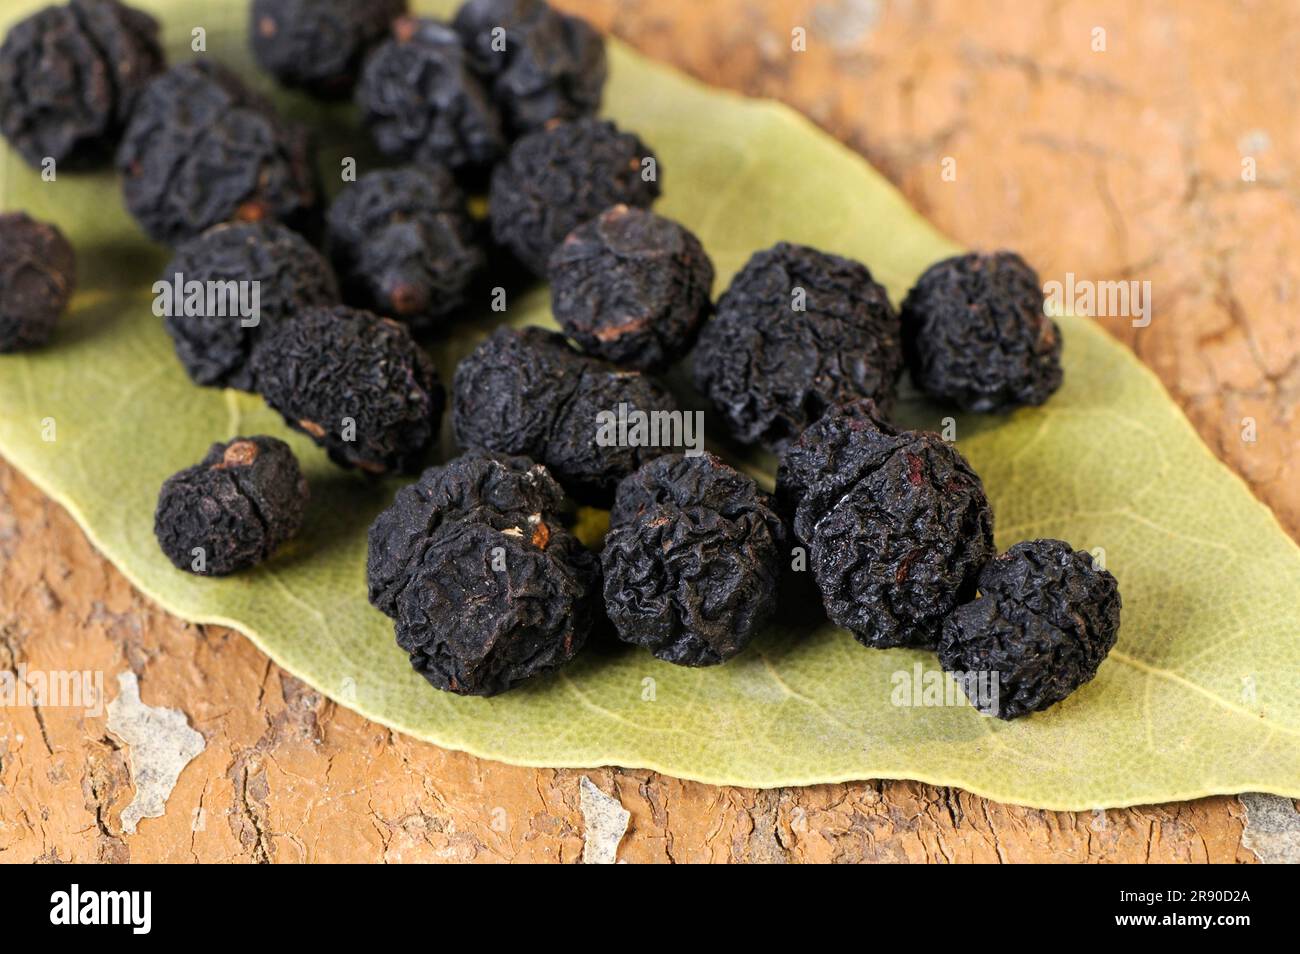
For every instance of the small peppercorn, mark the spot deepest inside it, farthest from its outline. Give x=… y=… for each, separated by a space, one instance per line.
x=557 y=178
x=358 y=384
x=216 y=347
x=421 y=101
x=37 y=275
x=233 y=509
x=539 y=63
x=631 y=287
x=528 y=392
x=975 y=333
x=487 y=587
x=796 y=332
x=692 y=560
x=201 y=149
x=896 y=522
x=1045 y=618
x=404 y=244
x=70 y=76
x=319 y=45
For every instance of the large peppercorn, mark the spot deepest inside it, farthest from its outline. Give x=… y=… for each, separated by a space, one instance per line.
x=70 y=76
x=319 y=45
x=487 y=587
x=975 y=333
x=232 y=510
x=528 y=392
x=475 y=483
x=540 y=64
x=201 y=149
x=631 y=287
x=358 y=384
x=896 y=522
x=404 y=244
x=37 y=275
x=216 y=346
x=692 y=560
x=421 y=101
x=796 y=332
x=557 y=178
x=1044 y=620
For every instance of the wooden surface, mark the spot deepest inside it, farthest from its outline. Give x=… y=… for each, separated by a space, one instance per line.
x=1120 y=163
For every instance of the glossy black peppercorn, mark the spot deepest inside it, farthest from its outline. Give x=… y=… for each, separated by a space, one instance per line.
x=631 y=287
x=358 y=384
x=975 y=333
x=487 y=587
x=233 y=509
x=1045 y=618
x=797 y=331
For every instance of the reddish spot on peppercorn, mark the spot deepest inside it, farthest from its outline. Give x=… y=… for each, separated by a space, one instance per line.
x=541 y=535
x=905 y=567
x=406 y=299
x=267 y=27
x=404 y=28
x=312 y=428
x=238 y=454
x=915 y=470
x=253 y=211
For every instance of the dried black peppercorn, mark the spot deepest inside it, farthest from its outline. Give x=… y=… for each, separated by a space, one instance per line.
x=487 y=586
x=692 y=560
x=37 y=275
x=404 y=244
x=201 y=149
x=631 y=287
x=216 y=346
x=528 y=392
x=421 y=101
x=319 y=45
x=540 y=64
x=557 y=178
x=796 y=332
x=1044 y=620
x=358 y=384
x=975 y=334
x=70 y=76
x=232 y=510
x=896 y=522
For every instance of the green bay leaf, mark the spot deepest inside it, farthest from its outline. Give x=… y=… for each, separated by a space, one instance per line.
x=1200 y=695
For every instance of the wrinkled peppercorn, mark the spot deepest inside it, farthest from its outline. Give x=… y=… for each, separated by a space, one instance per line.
x=557 y=178
x=975 y=333
x=37 y=275
x=70 y=77
x=631 y=287
x=404 y=244
x=796 y=332
x=232 y=510
x=1044 y=620
x=478 y=481
x=896 y=522
x=216 y=347
x=201 y=149
x=358 y=384
x=421 y=101
x=319 y=45
x=487 y=587
x=539 y=63
x=527 y=392
x=692 y=560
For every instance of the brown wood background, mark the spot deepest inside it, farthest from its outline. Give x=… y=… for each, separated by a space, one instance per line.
x=1122 y=163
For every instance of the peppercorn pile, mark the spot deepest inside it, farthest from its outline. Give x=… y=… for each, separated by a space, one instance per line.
x=329 y=312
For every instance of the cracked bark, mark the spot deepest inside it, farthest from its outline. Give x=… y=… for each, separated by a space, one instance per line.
x=287 y=776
